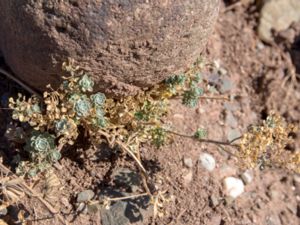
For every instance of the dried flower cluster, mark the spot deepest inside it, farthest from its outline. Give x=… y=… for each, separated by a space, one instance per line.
x=265 y=145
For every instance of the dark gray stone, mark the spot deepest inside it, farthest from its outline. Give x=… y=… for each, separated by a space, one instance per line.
x=115 y=215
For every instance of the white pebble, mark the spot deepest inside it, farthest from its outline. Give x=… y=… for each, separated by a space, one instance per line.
x=247 y=177
x=233 y=186
x=207 y=161
x=188 y=162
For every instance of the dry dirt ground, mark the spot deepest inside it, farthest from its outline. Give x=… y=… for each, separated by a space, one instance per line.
x=259 y=78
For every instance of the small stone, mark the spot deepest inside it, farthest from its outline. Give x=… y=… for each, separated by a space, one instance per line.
x=188 y=162
x=85 y=196
x=207 y=161
x=3 y=212
x=260 y=46
x=234 y=187
x=187 y=179
x=247 y=177
x=214 y=200
x=81 y=208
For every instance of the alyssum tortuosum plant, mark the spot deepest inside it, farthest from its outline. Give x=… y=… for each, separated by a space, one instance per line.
x=127 y=122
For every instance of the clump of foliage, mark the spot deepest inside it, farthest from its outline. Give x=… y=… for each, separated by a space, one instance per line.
x=266 y=144
x=126 y=122
x=42 y=152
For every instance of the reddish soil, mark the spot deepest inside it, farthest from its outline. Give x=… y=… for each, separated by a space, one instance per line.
x=261 y=79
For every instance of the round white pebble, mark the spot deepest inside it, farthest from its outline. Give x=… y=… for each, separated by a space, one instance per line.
x=207 y=161
x=233 y=186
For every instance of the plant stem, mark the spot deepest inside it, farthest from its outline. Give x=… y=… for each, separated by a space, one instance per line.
x=205 y=140
x=208 y=97
x=128 y=197
x=126 y=149
x=215 y=98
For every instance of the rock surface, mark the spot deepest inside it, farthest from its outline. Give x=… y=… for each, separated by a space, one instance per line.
x=125 y=44
x=277 y=15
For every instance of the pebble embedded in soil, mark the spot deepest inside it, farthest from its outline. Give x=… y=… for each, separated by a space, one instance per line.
x=234 y=187
x=214 y=200
x=188 y=162
x=82 y=208
x=187 y=178
x=85 y=195
x=3 y=212
x=247 y=177
x=207 y=161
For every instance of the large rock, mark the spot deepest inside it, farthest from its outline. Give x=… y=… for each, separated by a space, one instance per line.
x=127 y=44
x=277 y=15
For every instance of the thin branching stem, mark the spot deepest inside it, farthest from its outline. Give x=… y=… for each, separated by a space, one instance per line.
x=125 y=197
x=205 y=140
x=215 y=98
x=222 y=98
